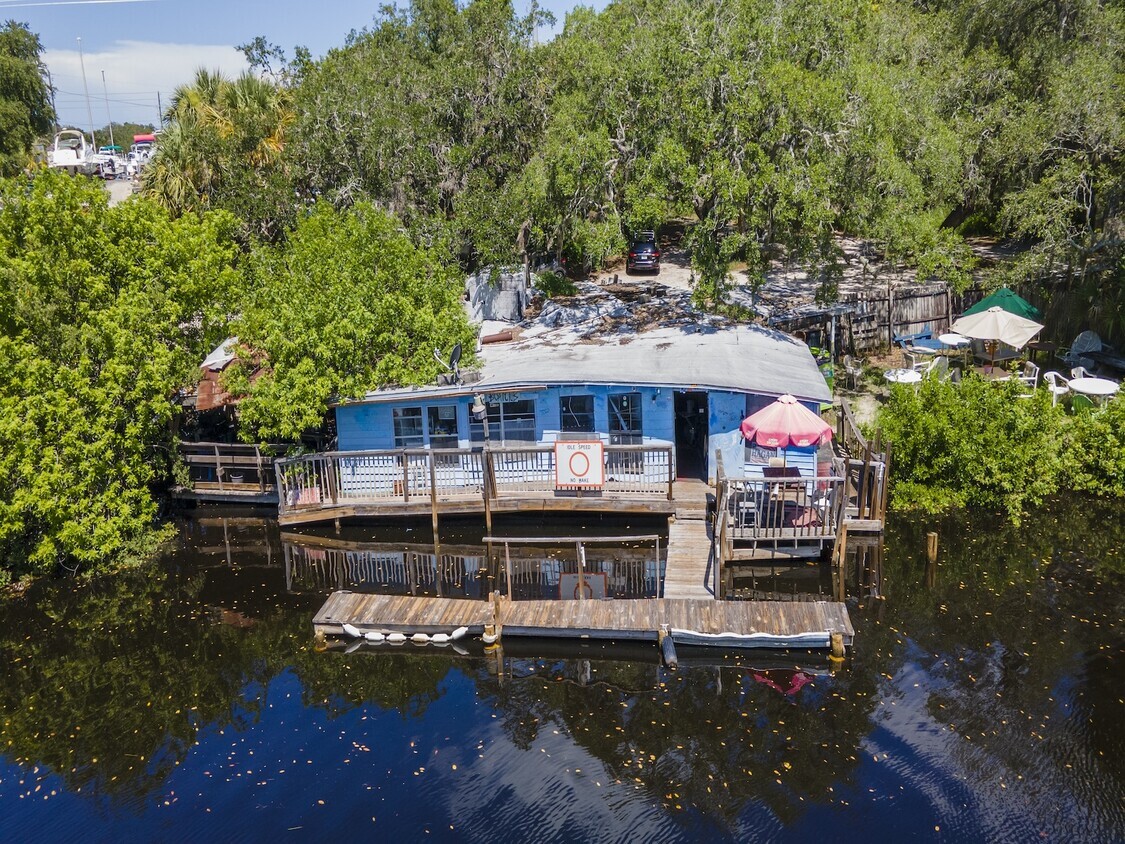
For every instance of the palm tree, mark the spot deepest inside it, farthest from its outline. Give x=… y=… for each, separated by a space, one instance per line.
x=219 y=132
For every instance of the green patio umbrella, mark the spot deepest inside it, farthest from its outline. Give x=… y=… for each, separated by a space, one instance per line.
x=1009 y=301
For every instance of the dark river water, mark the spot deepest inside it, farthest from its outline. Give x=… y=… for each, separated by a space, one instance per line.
x=186 y=701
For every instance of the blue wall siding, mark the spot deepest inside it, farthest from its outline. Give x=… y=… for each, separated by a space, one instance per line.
x=363 y=427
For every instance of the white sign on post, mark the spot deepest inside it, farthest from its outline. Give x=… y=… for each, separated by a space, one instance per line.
x=579 y=465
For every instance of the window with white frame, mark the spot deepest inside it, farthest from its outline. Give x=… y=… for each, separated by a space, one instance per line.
x=508 y=421
x=577 y=414
x=408 y=427
x=625 y=419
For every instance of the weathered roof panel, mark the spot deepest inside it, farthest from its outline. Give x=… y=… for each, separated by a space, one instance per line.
x=740 y=358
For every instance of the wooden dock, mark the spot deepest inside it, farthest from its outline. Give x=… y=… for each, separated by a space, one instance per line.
x=689 y=549
x=725 y=624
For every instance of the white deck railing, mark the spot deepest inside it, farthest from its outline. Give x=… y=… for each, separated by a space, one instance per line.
x=340 y=478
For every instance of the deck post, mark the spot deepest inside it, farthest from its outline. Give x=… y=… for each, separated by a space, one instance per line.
x=218 y=468
x=508 y=569
x=671 y=470
x=486 y=488
x=258 y=464
x=405 y=476
x=839 y=558
x=430 y=458
x=581 y=571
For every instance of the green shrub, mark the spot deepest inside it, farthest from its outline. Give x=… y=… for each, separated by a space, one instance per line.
x=555 y=284
x=1096 y=457
x=977 y=444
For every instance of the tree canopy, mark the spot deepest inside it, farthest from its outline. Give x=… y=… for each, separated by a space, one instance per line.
x=25 y=97
x=346 y=305
x=103 y=313
x=768 y=128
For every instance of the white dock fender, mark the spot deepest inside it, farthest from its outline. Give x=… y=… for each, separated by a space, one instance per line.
x=353 y=631
x=489 y=638
x=374 y=636
x=420 y=639
x=396 y=638
x=459 y=633
x=440 y=638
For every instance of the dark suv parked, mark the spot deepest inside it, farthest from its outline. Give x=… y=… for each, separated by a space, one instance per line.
x=644 y=254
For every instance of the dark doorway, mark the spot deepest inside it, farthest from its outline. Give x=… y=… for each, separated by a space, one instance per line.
x=691 y=434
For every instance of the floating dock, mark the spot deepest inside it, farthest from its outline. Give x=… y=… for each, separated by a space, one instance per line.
x=690 y=622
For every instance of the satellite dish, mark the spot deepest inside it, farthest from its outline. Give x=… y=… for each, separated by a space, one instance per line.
x=454 y=357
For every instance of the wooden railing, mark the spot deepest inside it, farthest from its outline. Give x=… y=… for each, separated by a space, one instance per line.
x=331 y=479
x=230 y=467
x=776 y=508
x=771 y=509
x=866 y=465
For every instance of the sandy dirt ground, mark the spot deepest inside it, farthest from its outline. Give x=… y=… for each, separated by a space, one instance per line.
x=785 y=287
x=119 y=190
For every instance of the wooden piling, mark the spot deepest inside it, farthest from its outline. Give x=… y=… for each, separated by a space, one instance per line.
x=931 y=559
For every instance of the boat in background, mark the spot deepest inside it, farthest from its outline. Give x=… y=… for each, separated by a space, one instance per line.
x=72 y=153
x=111 y=162
x=140 y=153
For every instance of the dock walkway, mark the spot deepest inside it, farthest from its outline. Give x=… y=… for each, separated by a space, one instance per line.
x=689 y=548
x=729 y=624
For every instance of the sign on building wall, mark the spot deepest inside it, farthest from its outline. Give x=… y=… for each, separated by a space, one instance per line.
x=579 y=465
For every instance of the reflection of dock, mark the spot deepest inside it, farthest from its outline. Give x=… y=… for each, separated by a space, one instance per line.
x=523 y=569
x=728 y=624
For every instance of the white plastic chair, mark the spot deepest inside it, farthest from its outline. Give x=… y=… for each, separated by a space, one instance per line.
x=1057 y=384
x=1080 y=372
x=1030 y=374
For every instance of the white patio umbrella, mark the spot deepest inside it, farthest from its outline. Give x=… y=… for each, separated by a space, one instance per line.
x=997 y=325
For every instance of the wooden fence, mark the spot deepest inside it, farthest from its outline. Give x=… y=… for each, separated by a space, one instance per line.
x=230 y=468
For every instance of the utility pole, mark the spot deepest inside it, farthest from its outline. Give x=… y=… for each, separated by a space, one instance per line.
x=105 y=93
x=54 y=111
x=85 y=87
x=159 y=110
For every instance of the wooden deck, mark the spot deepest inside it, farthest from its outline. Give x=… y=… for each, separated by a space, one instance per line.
x=726 y=624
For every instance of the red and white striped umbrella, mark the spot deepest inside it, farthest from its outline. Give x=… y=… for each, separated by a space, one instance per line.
x=786 y=422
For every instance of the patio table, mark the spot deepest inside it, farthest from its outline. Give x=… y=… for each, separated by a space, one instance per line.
x=903 y=376
x=1100 y=388
x=958 y=346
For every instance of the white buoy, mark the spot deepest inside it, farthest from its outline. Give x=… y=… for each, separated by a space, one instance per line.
x=459 y=633
x=489 y=638
x=420 y=639
x=396 y=638
x=374 y=636
x=353 y=631
x=440 y=638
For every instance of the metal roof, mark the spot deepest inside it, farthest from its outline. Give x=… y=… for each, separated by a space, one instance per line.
x=739 y=358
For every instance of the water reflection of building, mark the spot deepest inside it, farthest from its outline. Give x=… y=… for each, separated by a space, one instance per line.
x=321 y=564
